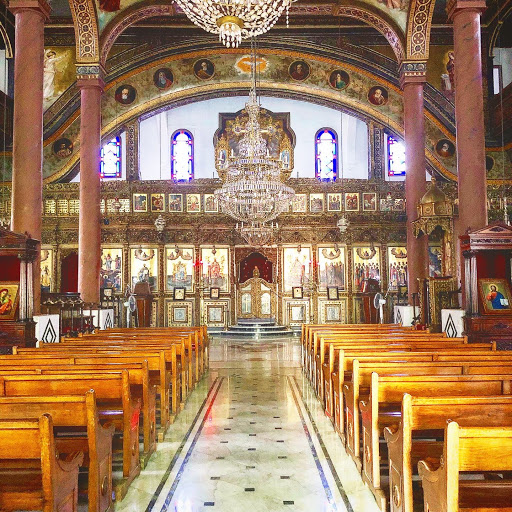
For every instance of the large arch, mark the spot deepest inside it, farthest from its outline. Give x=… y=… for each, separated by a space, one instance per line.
x=85 y=21
x=7 y=42
x=419 y=23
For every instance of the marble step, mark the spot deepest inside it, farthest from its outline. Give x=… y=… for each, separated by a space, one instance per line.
x=253 y=334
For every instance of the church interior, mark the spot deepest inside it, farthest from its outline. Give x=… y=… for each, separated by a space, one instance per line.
x=256 y=254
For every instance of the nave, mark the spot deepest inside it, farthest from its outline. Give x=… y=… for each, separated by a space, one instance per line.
x=252 y=436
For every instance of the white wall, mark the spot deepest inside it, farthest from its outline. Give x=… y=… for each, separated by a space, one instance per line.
x=202 y=120
x=3 y=72
x=503 y=58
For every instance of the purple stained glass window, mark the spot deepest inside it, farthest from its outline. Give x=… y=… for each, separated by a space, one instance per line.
x=326 y=155
x=110 y=159
x=182 y=156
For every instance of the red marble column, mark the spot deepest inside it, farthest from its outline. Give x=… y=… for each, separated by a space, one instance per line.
x=415 y=183
x=27 y=174
x=469 y=114
x=89 y=229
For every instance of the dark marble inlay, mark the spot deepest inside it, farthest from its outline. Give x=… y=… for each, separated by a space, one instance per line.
x=209 y=503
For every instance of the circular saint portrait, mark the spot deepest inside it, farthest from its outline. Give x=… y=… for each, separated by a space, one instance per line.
x=489 y=163
x=299 y=70
x=445 y=148
x=63 y=148
x=125 y=94
x=163 y=78
x=204 y=69
x=378 y=96
x=339 y=79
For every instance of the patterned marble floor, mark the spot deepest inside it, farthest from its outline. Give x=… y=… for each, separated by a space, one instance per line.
x=251 y=438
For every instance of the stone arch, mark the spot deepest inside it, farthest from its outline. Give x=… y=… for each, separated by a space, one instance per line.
x=85 y=21
x=419 y=22
x=130 y=16
x=386 y=27
x=497 y=29
x=9 y=54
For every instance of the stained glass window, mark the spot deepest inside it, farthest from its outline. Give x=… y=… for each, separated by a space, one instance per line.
x=396 y=157
x=326 y=154
x=182 y=156
x=110 y=159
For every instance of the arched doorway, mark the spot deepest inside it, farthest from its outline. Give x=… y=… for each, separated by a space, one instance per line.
x=69 y=273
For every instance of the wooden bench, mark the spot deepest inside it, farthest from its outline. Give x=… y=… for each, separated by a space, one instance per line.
x=42 y=480
x=475 y=449
x=114 y=402
x=75 y=412
x=384 y=406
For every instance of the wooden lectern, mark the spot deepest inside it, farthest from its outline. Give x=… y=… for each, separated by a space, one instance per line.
x=144 y=299
x=370 y=288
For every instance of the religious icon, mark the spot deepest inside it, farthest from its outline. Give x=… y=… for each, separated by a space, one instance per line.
x=144 y=266
x=334 y=202
x=163 y=78
x=180 y=268
x=298 y=313
x=448 y=78
x=204 y=69
x=331 y=267
x=397 y=261
x=46 y=270
x=8 y=300
x=285 y=158
x=297 y=292
x=175 y=202
x=179 y=315
x=179 y=294
x=299 y=70
x=369 y=201
x=332 y=293
x=339 y=79
x=140 y=202
x=435 y=261
x=495 y=295
x=63 y=148
x=378 y=96
x=211 y=205
x=316 y=203
x=125 y=94
x=352 y=202
x=158 y=202
x=111 y=271
x=366 y=265
x=214 y=293
x=222 y=160
x=193 y=203
x=110 y=5
x=445 y=148
x=49 y=73
x=215 y=268
x=299 y=203
x=296 y=266
x=215 y=314
x=333 y=313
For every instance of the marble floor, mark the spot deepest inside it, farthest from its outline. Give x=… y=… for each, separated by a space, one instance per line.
x=252 y=438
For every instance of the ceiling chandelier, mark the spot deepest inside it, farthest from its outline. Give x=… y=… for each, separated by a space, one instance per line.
x=254 y=191
x=235 y=20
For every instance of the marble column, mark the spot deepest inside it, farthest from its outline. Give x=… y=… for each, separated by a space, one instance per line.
x=27 y=174
x=412 y=81
x=469 y=113
x=89 y=230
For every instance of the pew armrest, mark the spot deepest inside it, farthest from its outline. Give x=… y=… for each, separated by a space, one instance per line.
x=433 y=480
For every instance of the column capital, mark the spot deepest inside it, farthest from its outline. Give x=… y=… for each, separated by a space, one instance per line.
x=456 y=6
x=90 y=75
x=413 y=72
x=40 y=6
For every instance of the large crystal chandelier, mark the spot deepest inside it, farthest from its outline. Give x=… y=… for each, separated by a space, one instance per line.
x=235 y=20
x=254 y=191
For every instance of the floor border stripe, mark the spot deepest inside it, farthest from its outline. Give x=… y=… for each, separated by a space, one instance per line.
x=158 y=490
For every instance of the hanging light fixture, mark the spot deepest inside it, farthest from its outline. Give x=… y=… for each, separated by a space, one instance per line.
x=235 y=20
x=254 y=191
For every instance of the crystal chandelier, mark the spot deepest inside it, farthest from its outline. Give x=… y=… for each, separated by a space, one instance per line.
x=254 y=191
x=235 y=20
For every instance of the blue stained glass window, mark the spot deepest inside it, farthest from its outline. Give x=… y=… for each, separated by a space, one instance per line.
x=396 y=157
x=110 y=159
x=326 y=155
x=182 y=156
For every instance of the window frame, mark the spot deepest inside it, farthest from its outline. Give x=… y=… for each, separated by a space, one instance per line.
x=119 y=144
x=192 y=144
x=336 y=157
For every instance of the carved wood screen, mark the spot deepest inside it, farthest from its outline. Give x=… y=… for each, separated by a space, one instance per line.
x=256 y=299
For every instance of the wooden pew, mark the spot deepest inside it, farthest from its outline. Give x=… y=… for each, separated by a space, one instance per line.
x=73 y=411
x=113 y=398
x=138 y=374
x=383 y=409
x=52 y=486
x=359 y=385
x=476 y=449
x=423 y=419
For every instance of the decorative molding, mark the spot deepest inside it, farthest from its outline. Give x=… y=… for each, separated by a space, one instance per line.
x=132 y=150
x=384 y=27
x=418 y=29
x=413 y=72
x=455 y=6
x=85 y=21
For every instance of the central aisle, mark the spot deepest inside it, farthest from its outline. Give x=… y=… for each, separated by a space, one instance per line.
x=251 y=438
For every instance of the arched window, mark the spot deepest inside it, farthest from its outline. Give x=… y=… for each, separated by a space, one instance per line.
x=396 y=157
x=326 y=155
x=110 y=159
x=182 y=156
